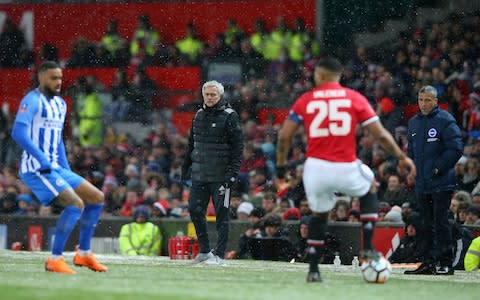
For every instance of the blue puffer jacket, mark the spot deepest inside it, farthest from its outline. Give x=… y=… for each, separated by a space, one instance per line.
x=434 y=141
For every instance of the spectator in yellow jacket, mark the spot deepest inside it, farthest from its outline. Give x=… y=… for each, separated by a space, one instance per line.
x=472 y=258
x=140 y=237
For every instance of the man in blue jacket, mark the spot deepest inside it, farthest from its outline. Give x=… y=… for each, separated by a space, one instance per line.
x=435 y=145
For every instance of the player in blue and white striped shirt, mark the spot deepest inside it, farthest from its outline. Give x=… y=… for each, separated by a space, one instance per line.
x=44 y=168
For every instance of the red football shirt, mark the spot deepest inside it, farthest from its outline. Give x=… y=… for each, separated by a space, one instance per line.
x=330 y=114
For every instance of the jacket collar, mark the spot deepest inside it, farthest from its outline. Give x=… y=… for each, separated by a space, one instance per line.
x=221 y=105
x=434 y=111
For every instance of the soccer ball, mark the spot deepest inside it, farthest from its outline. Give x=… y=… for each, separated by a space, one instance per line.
x=376 y=271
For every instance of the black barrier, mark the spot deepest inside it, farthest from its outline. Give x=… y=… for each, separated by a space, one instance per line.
x=348 y=235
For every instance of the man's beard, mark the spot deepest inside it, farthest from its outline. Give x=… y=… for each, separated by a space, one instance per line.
x=49 y=92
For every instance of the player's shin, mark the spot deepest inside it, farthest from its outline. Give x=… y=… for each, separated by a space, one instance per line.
x=368 y=217
x=88 y=222
x=65 y=224
x=316 y=239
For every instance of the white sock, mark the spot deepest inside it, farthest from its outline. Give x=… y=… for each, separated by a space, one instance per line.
x=84 y=252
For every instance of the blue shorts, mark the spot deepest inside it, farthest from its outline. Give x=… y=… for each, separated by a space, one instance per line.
x=47 y=186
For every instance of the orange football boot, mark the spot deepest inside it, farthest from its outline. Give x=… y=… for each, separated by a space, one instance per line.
x=58 y=266
x=89 y=261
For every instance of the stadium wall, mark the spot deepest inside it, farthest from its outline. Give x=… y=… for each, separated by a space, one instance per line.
x=35 y=233
x=61 y=23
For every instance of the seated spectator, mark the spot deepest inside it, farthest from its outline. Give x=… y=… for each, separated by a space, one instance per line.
x=395 y=193
x=394 y=215
x=406 y=210
x=304 y=208
x=462 y=238
x=476 y=200
x=471 y=175
x=292 y=214
x=8 y=203
x=472 y=258
x=458 y=197
x=26 y=205
x=144 y=41
x=473 y=216
x=114 y=44
x=258 y=180
x=255 y=227
x=48 y=51
x=461 y=215
x=190 y=46
x=244 y=210
x=301 y=244
x=179 y=209
x=383 y=209
x=118 y=108
x=160 y=209
x=269 y=202
x=83 y=53
x=340 y=210
x=140 y=237
x=272 y=243
x=12 y=41
x=408 y=251
x=353 y=215
x=132 y=200
x=142 y=92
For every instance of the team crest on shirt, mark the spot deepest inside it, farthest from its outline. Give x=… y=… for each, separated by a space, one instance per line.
x=432 y=133
x=23 y=108
x=60 y=182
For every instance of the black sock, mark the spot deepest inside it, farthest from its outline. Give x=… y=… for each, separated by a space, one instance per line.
x=313 y=257
x=368 y=217
x=367 y=228
x=316 y=239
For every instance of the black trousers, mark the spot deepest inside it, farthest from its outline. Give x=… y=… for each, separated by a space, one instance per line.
x=200 y=194
x=436 y=238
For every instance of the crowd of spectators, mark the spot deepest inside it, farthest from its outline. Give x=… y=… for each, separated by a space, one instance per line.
x=443 y=54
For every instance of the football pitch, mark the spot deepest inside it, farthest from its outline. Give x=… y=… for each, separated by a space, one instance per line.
x=22 y=276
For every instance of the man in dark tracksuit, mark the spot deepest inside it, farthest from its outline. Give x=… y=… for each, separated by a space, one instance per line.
x=214 y=154
x=435 y=145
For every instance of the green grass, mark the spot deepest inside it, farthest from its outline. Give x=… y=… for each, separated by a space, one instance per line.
x=22 y=276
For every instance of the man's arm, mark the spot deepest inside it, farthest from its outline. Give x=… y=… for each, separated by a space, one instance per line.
x=285 y=135
x=187 y=162
x=388 y=143
x=452 y=138
x=20 y=133
x=236 y=146
x=62 y=156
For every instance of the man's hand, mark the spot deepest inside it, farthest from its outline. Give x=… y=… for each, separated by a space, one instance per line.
x=45 y=171
x=407 y=166
x=45 y=167
x=229 y=182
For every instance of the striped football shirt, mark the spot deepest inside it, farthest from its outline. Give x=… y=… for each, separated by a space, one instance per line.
x=46 y=118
